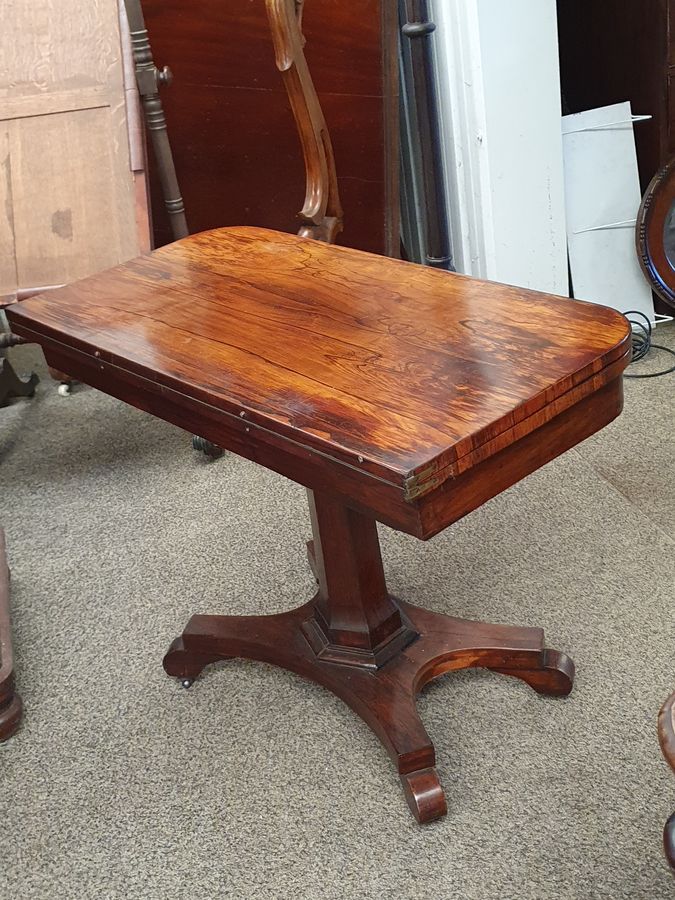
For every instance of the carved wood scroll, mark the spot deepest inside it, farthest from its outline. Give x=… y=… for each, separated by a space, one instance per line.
x=322 y=213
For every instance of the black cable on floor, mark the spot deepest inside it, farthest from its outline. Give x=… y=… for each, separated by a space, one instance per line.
x=642 y=343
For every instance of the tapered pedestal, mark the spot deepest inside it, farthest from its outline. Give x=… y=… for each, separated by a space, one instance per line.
x=373 y=651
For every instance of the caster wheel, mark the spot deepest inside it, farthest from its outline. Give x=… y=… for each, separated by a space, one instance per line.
x=201 y=445
x=64 y=390
x=187 y=683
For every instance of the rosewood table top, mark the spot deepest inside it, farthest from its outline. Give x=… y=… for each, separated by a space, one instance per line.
x=395 y=376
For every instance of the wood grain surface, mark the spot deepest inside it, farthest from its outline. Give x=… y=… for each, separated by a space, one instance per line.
x=237 y=152
x=409 y=374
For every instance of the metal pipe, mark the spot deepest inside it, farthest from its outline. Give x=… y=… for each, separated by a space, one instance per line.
x=418 y=29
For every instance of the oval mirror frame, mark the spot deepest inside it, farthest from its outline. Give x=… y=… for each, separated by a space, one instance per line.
x=656 y=210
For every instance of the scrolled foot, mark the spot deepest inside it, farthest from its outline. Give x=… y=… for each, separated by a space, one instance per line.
x=184 y=664
x=669 y=841
x=10 y=718
x=425 y=795
x=554 y=677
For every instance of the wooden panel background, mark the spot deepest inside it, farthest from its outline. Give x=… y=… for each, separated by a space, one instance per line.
x=68 y=194
x=612 y=52
x=8 y=279
x=235 y=145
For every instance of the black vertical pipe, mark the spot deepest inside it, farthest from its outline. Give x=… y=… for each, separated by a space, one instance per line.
x=418 y=30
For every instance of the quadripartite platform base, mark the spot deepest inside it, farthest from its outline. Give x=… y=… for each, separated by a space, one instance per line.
x=373 y=651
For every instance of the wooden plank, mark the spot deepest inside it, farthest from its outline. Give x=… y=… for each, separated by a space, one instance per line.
x=65 y=184
x=8 y=274
x=46 y=104
x=52 y=45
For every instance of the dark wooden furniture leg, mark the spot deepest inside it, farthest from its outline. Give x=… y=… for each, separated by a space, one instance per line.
x=10 y=383
x=373 y=651
x=667 y=740
x=10 y=702
x=13 y=386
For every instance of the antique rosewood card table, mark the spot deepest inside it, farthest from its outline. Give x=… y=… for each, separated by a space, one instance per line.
x=394 y=393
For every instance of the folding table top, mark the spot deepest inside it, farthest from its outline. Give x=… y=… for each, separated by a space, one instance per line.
x=403 y=373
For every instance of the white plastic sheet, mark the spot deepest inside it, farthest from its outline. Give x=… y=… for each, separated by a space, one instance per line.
x=602 y=195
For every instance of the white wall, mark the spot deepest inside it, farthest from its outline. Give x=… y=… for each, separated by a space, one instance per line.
x=499 y=83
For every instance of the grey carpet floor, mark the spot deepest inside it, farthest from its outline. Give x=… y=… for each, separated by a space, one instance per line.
x=257 y=784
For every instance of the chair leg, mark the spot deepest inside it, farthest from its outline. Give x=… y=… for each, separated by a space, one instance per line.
x=13 y=386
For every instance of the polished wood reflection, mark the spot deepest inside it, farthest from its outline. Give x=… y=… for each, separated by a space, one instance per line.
x=393 y=369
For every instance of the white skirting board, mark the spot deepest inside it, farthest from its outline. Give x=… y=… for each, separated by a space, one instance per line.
x=499 y=91
x=602 y=189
